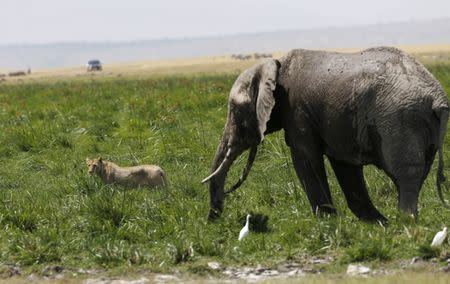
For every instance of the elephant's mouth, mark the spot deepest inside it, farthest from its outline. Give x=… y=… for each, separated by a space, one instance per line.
x=226 y=163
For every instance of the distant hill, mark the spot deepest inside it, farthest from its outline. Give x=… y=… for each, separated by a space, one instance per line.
x=76 y=54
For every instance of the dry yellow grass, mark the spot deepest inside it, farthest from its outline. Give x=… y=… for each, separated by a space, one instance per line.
x=217 y=64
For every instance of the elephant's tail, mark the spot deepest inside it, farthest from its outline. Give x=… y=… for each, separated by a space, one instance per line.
x=443 y=114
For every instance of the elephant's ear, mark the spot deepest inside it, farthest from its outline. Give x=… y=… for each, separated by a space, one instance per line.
x=266 y=100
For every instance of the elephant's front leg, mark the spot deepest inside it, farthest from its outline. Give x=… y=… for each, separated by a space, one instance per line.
x=351 y=180
x=311 y=172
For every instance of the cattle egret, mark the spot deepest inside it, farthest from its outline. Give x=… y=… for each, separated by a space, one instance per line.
x=439 y=238
x=244 y=231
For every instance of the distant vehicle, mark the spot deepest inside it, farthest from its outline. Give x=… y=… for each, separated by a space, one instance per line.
x=94 y=65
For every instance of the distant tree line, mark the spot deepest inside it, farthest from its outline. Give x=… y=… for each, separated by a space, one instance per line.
x=250 y=56
x=15 y=74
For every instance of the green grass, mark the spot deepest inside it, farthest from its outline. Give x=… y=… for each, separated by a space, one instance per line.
x=52 y=211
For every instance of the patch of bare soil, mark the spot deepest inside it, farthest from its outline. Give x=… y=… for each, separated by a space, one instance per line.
x=290 y=271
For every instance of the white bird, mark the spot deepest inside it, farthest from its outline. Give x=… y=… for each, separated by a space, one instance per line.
x=439 y=238
x=244 y=231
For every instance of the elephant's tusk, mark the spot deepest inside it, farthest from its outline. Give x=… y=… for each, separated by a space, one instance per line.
x=209 y=177
x=219 y=168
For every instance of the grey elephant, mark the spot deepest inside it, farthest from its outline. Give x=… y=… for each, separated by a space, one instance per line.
x=379 y=106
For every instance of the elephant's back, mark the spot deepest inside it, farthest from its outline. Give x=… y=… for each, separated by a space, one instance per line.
x=331 y=66
x=345 y=94
x=343 y=79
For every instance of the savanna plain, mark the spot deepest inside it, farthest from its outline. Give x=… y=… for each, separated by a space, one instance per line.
x=52 y=212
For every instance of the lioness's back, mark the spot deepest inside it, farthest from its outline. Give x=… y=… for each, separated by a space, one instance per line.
x=142 y=175
x=150 y=175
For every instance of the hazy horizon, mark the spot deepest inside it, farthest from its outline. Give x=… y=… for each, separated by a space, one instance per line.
x=131 y=41
x=77 y=54
x=53 y=21
x=54 y=33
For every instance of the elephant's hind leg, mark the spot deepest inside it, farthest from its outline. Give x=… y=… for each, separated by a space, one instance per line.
x=311 y=171
x=408 y=152
x=409 y=179
x=351 y=180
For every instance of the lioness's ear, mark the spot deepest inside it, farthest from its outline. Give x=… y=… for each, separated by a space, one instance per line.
x=100 y=159
x=87 y=161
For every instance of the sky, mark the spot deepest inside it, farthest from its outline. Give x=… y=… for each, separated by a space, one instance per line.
x=46 y=21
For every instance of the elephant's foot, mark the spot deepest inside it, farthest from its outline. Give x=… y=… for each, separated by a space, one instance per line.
x=373 y=217
x=351 y=180
x=214 y=214
x=325 y=210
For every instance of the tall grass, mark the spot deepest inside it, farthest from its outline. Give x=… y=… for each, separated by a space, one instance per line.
x=52 y=211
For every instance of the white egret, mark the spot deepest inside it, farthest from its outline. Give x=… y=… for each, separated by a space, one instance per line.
x=244 y=231
x=439 y=238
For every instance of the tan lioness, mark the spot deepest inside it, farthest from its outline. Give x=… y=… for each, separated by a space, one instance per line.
x=143 y=175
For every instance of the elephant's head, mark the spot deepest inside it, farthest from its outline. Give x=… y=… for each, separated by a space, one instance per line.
x=250 y=104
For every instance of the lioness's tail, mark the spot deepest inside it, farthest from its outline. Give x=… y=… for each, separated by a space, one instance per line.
x=163 y=176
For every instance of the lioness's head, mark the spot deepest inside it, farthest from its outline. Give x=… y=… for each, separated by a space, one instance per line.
x=94 y=165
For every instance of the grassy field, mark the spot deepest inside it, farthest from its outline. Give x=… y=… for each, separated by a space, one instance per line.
x=53 y=212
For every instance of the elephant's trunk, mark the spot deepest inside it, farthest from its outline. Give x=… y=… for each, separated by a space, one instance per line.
x=224 y=158
x=251 y=159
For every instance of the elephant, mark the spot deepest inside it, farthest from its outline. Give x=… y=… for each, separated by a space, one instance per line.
x=379 y=106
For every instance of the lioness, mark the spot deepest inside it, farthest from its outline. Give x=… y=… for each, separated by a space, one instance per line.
x=143 y=175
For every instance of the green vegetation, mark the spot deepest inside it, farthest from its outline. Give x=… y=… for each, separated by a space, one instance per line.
x=52 y=211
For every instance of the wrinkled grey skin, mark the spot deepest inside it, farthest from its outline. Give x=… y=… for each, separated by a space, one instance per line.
x=379 y=106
